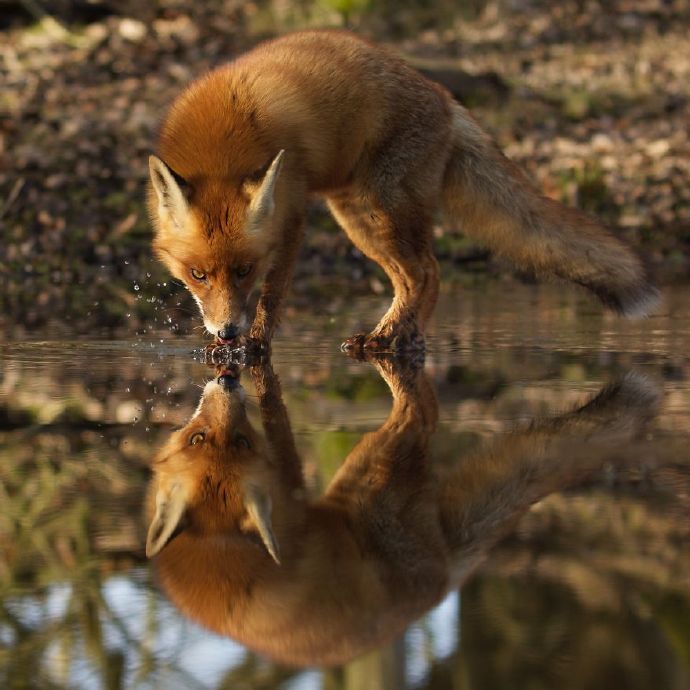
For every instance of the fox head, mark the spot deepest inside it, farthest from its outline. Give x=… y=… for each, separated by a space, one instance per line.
x=213 y=476
x=216 y=236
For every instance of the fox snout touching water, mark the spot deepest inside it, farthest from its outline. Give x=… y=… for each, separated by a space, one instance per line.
x=241 y=548
x=244 y=148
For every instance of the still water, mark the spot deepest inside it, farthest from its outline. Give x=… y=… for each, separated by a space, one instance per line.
x=512 y=514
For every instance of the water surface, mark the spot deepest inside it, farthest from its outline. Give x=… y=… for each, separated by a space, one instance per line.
x=579 y=580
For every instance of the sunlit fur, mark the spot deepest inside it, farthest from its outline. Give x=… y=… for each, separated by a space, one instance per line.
x=387 y=149
x=393 y=532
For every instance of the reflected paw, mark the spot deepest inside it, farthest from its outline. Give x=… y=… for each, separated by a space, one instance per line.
x=397 y=364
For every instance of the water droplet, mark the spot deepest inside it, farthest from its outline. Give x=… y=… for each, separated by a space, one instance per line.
x=136 y=287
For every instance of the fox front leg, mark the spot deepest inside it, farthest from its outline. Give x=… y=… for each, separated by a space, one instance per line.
x=275 y=286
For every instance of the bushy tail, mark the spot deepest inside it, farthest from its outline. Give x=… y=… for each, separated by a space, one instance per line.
x=501 y=209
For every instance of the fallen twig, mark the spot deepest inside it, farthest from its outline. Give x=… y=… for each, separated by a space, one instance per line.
x=12 y=196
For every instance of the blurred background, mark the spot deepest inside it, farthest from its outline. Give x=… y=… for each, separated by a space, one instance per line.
x=592 y=97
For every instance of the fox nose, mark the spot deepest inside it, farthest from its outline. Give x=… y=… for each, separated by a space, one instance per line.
x=228 y=332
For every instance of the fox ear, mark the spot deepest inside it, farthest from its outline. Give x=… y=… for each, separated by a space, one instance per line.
x=258 y=505
x=172 y=191
x=170 y=506
x=263 y=201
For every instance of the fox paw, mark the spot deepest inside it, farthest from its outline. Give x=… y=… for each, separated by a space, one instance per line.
x=373 y=343
x=256 y=350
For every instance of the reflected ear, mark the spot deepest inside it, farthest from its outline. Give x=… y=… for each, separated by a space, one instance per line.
x=170 y=506
x=172 y=191
x=258 y=505
x=263 y=202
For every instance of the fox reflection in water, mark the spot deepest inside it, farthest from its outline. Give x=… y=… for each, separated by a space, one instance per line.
x=242 y=550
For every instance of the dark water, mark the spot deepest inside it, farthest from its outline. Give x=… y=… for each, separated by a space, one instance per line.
x=551 y=501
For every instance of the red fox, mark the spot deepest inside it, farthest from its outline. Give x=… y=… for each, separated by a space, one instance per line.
x=240 y=549
x=243 y=149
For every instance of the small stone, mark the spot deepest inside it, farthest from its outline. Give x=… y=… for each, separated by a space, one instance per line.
x=658 y=148
x=132 y=30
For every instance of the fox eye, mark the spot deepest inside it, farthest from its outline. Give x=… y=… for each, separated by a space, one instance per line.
x=197 y=274
x=243 y=270
x=197 y=437
x=241 y=441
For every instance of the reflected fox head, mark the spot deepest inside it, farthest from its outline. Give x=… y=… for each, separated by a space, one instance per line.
x=216 y=236
x=213 y=475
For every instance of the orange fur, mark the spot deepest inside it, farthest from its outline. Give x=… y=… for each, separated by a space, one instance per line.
x=387 y=149
x=390 y=536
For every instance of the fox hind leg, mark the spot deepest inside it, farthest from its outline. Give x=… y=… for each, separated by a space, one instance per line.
x=400 y=242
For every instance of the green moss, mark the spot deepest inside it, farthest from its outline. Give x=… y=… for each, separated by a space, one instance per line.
x=590 y=190
x=577 y=104
x=332 y=448
x=356 y=388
